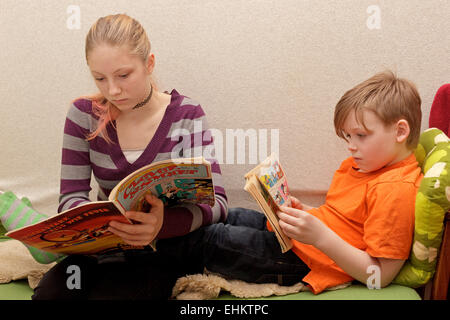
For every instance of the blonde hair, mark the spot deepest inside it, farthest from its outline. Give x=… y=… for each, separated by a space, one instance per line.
x=114 y=30
x=389 y=97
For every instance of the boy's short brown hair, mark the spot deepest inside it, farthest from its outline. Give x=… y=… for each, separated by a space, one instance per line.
x=389 y=97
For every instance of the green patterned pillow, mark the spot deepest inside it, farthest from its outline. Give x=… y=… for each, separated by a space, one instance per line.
x=432 y=203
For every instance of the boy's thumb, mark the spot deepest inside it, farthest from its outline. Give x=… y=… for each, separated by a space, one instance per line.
x=295 y=202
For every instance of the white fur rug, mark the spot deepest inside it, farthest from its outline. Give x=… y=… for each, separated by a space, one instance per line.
x=17 y=263
x=209 y=286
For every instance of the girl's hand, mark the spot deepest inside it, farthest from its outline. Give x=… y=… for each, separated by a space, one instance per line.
x=301 y=225
x=147 y=227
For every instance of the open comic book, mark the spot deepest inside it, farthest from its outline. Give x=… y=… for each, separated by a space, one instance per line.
x=83 y=230
x=267 y=184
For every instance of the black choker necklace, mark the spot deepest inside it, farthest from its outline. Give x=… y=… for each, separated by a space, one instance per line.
x=140 y=104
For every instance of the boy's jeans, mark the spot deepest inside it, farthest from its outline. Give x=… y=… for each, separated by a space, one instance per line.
x=242 y=248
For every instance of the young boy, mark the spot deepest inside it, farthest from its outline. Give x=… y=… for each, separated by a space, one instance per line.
x=368 y=218
x=367 y=221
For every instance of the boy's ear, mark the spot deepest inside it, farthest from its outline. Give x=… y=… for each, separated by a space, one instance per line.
x=403 y=130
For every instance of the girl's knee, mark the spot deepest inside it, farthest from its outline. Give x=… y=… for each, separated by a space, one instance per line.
x=66 y=280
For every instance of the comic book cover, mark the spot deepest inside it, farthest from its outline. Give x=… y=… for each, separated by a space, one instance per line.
x=79 y=231
x=272 y=177
x=174 y=183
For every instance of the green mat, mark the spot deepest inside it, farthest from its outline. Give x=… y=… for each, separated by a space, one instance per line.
x=354 y=292
x=16 y=290
x=19 y=290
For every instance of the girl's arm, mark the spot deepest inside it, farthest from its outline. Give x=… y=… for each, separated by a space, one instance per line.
x=193 y=138
x=75 y=163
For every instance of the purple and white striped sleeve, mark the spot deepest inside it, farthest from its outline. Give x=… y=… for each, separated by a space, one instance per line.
x=75 y=163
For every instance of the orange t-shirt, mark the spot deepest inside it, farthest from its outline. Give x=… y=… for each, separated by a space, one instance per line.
x=372 y=211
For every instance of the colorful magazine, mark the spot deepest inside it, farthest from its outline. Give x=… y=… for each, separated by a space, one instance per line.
x=83 y=230
x=267 y=184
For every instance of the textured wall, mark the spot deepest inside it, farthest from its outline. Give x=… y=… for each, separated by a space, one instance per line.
x=278 y=65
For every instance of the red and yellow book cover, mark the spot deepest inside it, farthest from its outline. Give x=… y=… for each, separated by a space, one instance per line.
x=82 y=230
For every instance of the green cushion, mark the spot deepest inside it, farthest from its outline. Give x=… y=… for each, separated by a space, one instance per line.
x=16 y=290
x=432 y=203
x=354 y=292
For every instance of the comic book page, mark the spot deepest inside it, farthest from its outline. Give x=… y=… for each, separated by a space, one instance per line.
x=174 y=182
x=269 y=207
x=82 y=230
x=267 y=183
x=273 y=178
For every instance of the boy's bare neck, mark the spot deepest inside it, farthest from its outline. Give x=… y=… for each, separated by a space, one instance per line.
x=403 y=155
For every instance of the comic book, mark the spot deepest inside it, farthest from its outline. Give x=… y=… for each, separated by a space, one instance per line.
x=268 y=185
x=83 y=230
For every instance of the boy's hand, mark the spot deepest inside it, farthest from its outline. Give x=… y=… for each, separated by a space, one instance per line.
x=300 y=225
x=297 y=204
x=147 y=227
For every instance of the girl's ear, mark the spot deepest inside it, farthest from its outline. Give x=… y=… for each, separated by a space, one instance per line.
x=150 y=63
x=403 y=130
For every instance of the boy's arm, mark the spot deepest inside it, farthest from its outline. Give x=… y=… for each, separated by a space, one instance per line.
x=355 y=262
x=308 y=229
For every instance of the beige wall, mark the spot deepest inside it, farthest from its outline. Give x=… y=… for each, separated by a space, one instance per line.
x=251 y=64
